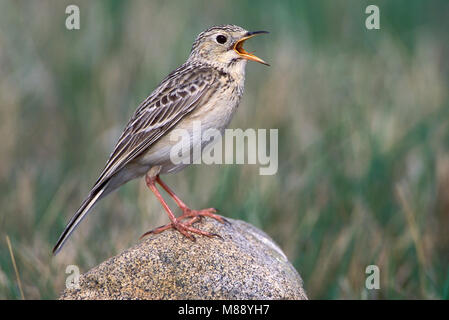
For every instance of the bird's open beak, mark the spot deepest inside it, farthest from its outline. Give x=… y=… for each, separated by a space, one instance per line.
x=238 y=47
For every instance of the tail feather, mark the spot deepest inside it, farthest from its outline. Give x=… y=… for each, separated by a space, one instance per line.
x=90 y=201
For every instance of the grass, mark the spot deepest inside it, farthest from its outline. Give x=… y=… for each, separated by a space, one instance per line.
x=363 y=137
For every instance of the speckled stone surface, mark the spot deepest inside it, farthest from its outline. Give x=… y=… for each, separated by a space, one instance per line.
x=244 y=264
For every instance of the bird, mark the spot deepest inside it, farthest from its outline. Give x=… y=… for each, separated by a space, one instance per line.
x=207 y=88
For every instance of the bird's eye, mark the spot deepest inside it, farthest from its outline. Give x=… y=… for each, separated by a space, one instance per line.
x=221 y=39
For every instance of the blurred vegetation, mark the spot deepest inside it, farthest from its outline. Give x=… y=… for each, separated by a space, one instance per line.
x=363 y=125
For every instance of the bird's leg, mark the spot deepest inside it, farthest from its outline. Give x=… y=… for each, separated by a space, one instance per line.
x=187 y=212
x=183 y=228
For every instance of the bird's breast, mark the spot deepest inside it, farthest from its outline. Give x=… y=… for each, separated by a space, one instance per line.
x=217 y=111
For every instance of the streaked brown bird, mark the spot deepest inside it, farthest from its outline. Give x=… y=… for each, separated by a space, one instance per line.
x=206 y=88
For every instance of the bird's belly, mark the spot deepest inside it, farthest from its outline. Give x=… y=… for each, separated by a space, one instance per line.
x=215 y=114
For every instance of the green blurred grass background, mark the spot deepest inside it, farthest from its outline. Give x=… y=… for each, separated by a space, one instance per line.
x=363 y=125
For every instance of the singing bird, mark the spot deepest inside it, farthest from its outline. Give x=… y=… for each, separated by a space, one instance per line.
x=206 y=88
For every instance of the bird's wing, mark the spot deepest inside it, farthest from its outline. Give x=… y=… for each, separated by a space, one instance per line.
x=177 y=95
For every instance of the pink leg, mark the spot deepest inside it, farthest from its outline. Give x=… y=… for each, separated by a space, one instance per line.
x=187 y=212
x=183 y=228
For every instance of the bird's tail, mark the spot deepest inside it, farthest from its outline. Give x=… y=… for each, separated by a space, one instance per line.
x=84 y=209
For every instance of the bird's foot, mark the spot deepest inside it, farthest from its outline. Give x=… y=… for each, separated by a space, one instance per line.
x=185 y=228
x=210 y=212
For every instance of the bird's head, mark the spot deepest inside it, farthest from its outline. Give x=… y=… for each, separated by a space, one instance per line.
x=222 y=46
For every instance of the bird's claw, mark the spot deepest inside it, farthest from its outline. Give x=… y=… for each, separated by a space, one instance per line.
x=185 y=228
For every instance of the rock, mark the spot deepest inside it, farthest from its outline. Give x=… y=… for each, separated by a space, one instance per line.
x=244 y=264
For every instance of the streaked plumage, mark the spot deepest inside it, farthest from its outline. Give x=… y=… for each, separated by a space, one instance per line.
x=208 y=87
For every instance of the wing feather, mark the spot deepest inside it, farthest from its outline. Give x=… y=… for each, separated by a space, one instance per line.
x=178 y=95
